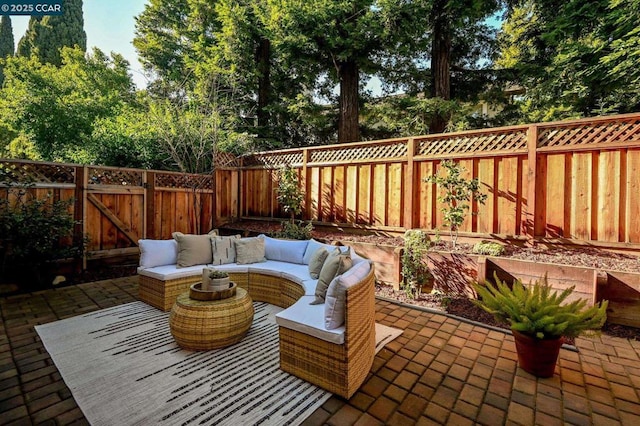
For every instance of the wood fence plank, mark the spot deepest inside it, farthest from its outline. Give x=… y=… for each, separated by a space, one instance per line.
x=339 y=206
x=608 y=196
x=507 y=192
x=364 y=194
x=556 y=189
x=466 y=165
x=394 y=202
x=379 y=194
x=315 y=194
x=581 y=196
x=110 y=215
x=351 y=188
x=633 y=196
x=522 y=194
x=487 y=213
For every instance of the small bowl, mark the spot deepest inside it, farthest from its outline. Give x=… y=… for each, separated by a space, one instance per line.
x=197 y=293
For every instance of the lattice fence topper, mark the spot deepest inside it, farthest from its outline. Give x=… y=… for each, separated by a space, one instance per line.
x=273 y=159
x=226 y=159
x=361 y=152
x=590 y=133
x=464 y=144
x=183 y=181
x=19 y=172
x=100 y=176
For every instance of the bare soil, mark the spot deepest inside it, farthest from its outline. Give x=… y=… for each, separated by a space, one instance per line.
x=461 y=306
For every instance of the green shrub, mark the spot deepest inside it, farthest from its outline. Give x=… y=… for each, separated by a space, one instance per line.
x=290 y=196
x=415 y=270
x=536 y=311
x=295 y=231
x=488 y=248
x=456 y=195
x=36 y=232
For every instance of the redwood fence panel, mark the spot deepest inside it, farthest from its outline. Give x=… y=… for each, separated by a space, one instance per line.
x=574 y=182
x=117 y=206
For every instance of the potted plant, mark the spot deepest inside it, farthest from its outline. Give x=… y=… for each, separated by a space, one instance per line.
x=415 y=271
x=215 y=280
x=539 y=320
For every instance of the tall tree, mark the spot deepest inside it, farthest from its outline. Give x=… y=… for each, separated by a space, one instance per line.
x=47 y=36
x=442 y=49
x=574 y=58
x=170 y=34
x=6 y=43
x=56 y=107
x=337 y=38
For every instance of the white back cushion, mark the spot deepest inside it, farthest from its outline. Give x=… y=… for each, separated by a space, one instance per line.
x=157 y=253
x=284 y=250
x=314 y=245
x=334 y=306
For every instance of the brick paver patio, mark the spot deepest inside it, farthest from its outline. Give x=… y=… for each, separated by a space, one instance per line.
x=440 y=371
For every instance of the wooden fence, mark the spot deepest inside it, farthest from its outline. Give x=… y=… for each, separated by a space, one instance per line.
x=116 y=206
x=571 y=182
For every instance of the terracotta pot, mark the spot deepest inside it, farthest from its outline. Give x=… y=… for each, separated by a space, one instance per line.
x=537 y=356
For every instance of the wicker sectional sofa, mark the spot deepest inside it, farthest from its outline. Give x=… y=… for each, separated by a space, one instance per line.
x=337 y=359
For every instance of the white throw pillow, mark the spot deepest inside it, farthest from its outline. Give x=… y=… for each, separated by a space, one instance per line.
x=284 y=250
x=157 y=253
x=334 y=306
x=223 y=250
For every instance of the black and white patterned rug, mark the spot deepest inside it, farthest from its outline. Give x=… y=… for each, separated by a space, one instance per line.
x=123 y=367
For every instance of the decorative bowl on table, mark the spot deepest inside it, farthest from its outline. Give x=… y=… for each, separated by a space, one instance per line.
x=197 y=293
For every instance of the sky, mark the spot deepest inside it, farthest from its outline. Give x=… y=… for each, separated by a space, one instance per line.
x=109 y=25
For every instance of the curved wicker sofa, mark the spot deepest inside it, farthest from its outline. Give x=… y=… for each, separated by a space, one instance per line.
x=336 y=360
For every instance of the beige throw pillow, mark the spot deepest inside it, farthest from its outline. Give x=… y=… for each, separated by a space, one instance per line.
x=336 y=264
x=249 y=250
x=224 y=250
x=316 y=262
x=194 y=249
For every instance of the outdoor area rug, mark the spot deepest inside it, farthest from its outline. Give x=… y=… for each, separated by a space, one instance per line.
x=123 y=367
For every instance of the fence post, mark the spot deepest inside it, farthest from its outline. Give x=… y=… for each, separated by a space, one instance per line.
x=532 y=184
x=150 y=208
x=80 y=209
x=307 y=184
x=409 y=181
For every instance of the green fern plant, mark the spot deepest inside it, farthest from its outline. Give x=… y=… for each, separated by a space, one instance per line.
x=536 y=311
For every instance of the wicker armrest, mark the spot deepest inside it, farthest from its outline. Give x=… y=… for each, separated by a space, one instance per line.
x=338 y=368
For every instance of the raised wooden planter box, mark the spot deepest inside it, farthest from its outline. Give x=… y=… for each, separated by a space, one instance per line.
x=453 y=273
x=386 y=259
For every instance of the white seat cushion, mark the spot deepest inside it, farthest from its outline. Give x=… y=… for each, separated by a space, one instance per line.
x=232 y=267
x=309 y=319
x=309 y=287
x=296 y=273
x=171 y=272
x=270 y=267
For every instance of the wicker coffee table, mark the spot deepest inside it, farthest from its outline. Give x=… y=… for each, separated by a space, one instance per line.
x=203 y=325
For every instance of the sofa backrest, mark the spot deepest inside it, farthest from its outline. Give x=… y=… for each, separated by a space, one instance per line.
x=291 y=251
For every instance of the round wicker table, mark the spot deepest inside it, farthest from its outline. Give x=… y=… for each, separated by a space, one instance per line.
x=203 y=325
